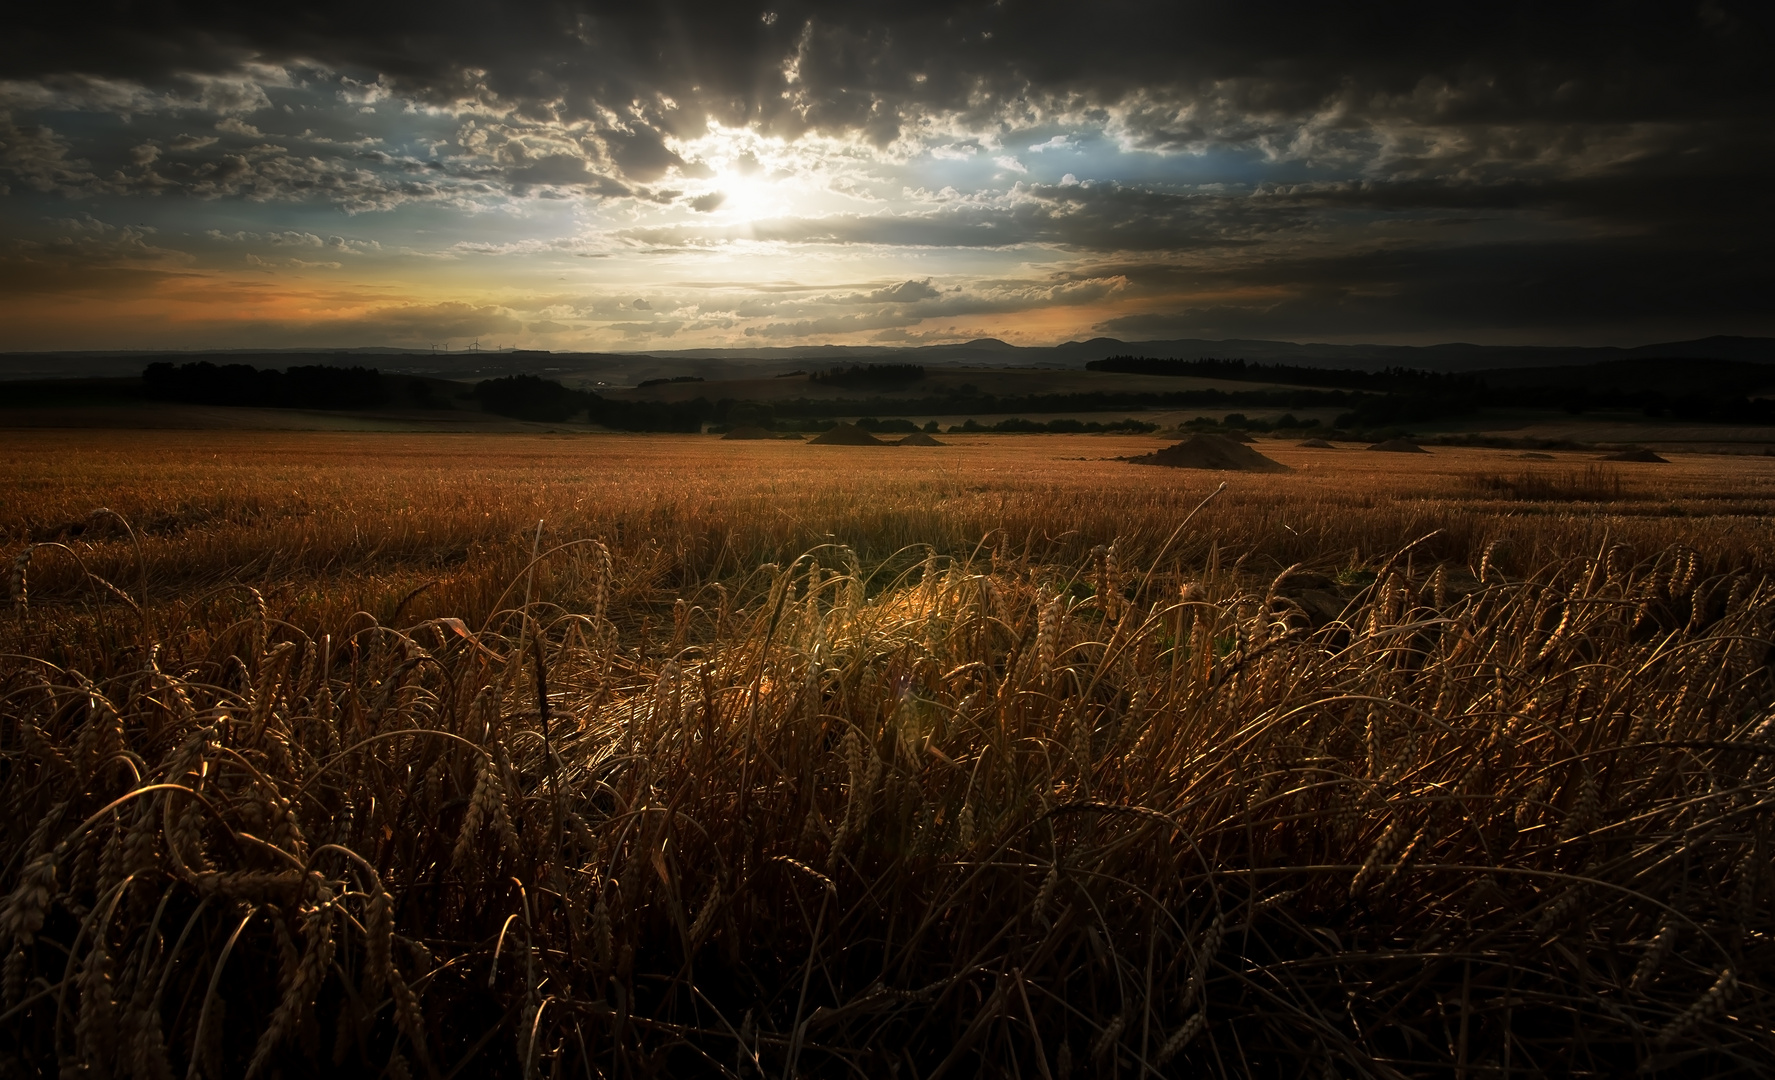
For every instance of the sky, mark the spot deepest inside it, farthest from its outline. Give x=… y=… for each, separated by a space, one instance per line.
x=588 y=176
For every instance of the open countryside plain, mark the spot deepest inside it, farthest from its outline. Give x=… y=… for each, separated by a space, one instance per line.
x=404 y=754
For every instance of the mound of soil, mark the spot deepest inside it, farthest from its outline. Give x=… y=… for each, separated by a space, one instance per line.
x=846 y=435
x=1637 y=455
x=919 y=438
x=1316 y=444
x=1211 y=452
x=1399 y=446
x=749 y=431
x=1240 y=436
x=1533 y=455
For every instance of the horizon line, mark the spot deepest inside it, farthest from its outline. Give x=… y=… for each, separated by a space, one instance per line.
x=741 y=351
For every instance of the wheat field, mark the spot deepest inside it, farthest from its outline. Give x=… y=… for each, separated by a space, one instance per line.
x=660 y=756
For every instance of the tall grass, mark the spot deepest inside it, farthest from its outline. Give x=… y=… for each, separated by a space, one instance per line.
x=994 y=815
x=323 y=758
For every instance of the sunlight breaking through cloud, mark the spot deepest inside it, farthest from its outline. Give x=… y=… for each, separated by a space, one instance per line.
x=542 y=166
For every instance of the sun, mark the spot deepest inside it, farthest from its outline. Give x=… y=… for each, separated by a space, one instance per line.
x=751 y=178
x=746 y=192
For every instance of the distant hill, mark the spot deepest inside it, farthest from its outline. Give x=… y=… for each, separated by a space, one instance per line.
x=1451 y=357
x=630 y=368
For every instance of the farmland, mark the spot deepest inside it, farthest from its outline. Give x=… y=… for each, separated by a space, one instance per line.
x=592 y=754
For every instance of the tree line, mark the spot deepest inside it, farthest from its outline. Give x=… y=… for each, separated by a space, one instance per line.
x=307 y=387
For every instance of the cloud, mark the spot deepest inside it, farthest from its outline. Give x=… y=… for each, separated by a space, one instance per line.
x=1168 y=77
x=427 y=322
x=89 y=256
x=1087 y=216
x=1534 y=289
x=664 y=328
x=39 y=158
x=641 y=305
x=831 y=325
x=295 y=238
x=235 y=93
x=1202 y=146
x=905 y=292
x=1310 y=84
x=270 y=174
x=640 y=152
x=899 y=308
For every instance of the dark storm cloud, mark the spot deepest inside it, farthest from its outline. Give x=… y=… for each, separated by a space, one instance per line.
x=1411 y=88
x=1185 y=75
x=1545 y=287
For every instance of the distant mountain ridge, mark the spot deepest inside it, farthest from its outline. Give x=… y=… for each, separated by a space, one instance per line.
x=625 y=368
x=1449 y=357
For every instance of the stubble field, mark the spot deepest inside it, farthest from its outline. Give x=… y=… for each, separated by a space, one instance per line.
x=605 y=755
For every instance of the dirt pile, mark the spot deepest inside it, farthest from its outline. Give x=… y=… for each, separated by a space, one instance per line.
x=1316 y=444
x=1399 y=446
x=846 y=435
x=1211 y=452
x=1638 y=455
x=749 y=432
x=919 y=438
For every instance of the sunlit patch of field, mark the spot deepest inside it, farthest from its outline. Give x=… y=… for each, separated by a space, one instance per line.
x=365 y=518
x=609 y=755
